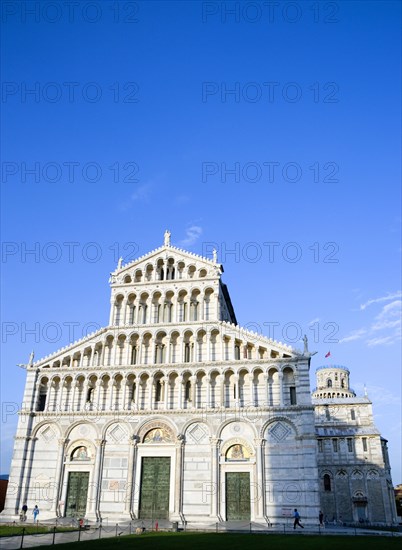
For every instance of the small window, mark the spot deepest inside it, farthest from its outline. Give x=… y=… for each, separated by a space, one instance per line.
x=352 y=414
x=158 y=391
x=320 y=445
x=90 y=394
x=364 y=439
x=329 y=383
x=187 y=392
x=186 y=353
x=327 y=413
x=350 y=444
x=42 y=402
x=335 y=445
x=327 y=482
x=237 y=353
x=292 y=395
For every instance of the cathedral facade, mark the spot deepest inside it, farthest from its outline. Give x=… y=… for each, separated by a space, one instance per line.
x=173 y=411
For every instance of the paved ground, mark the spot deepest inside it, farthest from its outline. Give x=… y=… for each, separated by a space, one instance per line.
x=93 y=533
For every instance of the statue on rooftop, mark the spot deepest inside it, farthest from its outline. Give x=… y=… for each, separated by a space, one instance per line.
x=305 y=341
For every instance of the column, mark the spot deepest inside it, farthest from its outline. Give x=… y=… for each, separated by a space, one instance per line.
x=124 y=396
x=115 y=350
x=74 y=385
x=231 y=345
x=266 y=400
x=252 y=397
x=154 y=353
x=137 y=392
x=59 y=476
x=179 y=350
x=49 y=395
x=128 y=353
x=132 y=456
x=280 y=378
x=97 y=481
x=214 y=489
x=193 y=380
x=151 y=387
x=166 y=387
x=180 y=384
x=126 y=315
x=178 y=504
x=222 y=348
x=221 y=389
x=98 y=392
x=104 y=348
x=26 y=471
x=112 y=383
x=60 y=396
x=260 y=496
x=208 y=382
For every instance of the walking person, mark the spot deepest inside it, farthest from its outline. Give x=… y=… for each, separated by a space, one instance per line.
x=35 y=512
x=296 y=516
x=24 y=510
x=321 y=518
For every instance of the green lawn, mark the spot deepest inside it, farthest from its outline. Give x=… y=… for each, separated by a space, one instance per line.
x=8 y=530
x=234 y=541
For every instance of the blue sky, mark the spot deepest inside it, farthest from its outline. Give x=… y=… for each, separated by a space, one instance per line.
x=236 y=129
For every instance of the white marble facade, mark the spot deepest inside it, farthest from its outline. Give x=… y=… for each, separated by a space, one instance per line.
x=174 y=378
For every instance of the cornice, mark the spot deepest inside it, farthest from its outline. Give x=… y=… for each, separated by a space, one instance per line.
x=167 y=367
x=238 y=413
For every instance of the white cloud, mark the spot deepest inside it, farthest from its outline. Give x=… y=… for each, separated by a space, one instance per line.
x=382 y=341
x=388 y=319
x=385 y=328
x=397 y=294
x=193 y=233
x=391 y=310
x=354 y=335
x=379 y=394
x=316 y=320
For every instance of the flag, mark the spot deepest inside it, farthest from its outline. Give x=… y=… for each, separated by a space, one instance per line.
x=328 y=354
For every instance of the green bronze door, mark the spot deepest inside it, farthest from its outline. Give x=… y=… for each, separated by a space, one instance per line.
x=155 y=482
x=77 y=492
x=237 y=496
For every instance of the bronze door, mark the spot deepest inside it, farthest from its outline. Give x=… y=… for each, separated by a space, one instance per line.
x=77 y=492
x=238 y=496
x=155 y=483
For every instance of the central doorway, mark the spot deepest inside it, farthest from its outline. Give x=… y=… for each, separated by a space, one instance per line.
x=237 y=496
x=77 y=493
x=155 y=484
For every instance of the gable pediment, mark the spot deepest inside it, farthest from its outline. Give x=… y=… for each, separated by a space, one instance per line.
x=165 y=263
